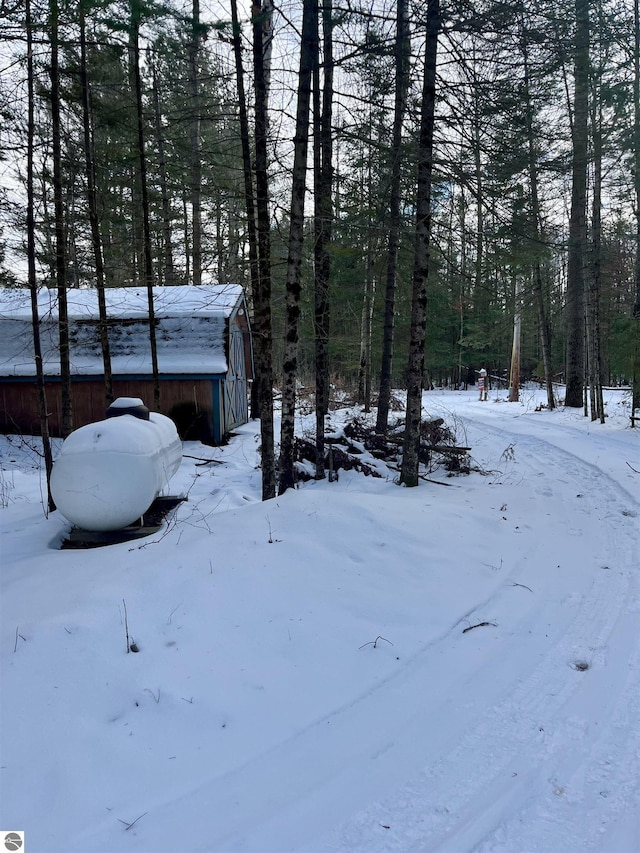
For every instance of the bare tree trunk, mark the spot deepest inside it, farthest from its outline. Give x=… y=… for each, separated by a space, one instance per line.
x=463 y=274
x=577 y=223
x=544 y=328
x=96 y=240
x=146 y=228
x=185 y=232
x=196 y=162
x=323 y=219
x=366 y=323
x=261 y=19
x=401 y=54
x=410 y=456
x=66 y=419
x=31 y=263
x=636 y=185
x=248 y=181
x=308 y=50
x=514 y=376
x=481 y=296
x=594 y=343
x=167 y=236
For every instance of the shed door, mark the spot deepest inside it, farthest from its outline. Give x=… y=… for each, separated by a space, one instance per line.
x=236 y=406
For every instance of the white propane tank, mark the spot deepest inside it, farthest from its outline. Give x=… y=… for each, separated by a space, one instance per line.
x=108 y=473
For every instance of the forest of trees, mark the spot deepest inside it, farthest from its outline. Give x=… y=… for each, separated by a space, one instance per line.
x=407 y=190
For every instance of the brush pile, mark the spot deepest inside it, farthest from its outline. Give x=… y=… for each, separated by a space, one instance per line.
x=357 y=446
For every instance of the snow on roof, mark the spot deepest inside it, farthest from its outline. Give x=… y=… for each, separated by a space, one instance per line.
x=190 y=330
x=207 y=300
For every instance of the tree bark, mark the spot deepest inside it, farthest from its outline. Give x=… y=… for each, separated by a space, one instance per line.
x=66 y=419
x=544 y=328
x=575 y=372
x=31 y=262
x=594 y=343
x=167 y=236
x=146 y=228
x=308 y=50
x=196 y=162
x=366 y=329
x=323 y=221
x=261 y=20
x=401 y=55
x=96 y=240
x=514 y=375
x=636 y=185
x=410 y=456
x=249 y=198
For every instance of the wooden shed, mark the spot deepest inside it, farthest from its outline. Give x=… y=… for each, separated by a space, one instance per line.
x=203 y=346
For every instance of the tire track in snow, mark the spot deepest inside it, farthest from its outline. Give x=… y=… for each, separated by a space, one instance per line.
x=497 y=742
x=520 y=778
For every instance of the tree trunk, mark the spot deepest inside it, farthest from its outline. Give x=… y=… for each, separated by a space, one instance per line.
x=544 y=328
x=58 y=205
x=366 y=323
x=410 y=456
x=401 y=54
x=196 y=162
x=514 y=376
x=323 y=219
x=308 y=51
x=577 y=223
x=146 y=228
x=96 y=240
x=31 y=263
x=636 y=185
x=167 y=236
x=248 y=180
x=594 y=342
x=261 y=20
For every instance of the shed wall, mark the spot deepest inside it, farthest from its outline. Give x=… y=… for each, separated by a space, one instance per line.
x=188 y=401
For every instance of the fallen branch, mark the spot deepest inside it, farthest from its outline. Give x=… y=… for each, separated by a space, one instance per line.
x=446 y=448
x=479 y=625
x=437 y=482
x=202 y=461
x=127 y=826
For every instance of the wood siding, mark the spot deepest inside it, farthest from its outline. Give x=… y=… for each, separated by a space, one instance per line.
x=189 y=402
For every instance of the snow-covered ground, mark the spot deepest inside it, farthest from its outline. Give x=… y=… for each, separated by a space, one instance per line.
x=350 y=667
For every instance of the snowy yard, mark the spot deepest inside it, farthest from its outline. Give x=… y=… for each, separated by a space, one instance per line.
x=350 y=667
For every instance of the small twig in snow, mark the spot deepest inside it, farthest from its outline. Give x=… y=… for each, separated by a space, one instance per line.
x=479 y=625
x=126 y=626
x=15 y=646
x=172 y=612
x=523 y=585
x=203 y=461
x=128 y=826
x=271 y=540
x=374 y=643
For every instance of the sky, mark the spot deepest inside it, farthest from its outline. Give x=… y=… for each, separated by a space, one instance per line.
x=353 y=666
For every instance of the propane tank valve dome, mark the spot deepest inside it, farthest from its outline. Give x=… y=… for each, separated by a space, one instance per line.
x=128 y=406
